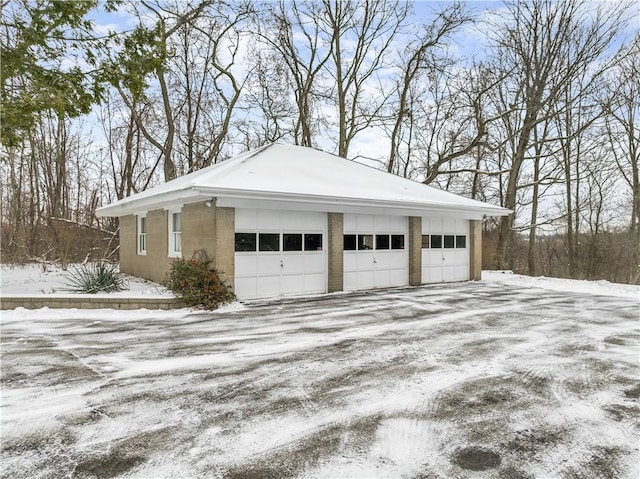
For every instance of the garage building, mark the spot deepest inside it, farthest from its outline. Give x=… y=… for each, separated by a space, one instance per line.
x=287 y=220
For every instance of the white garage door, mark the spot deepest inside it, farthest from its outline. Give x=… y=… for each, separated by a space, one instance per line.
x=445 y=250
x=279 y=253
x=375 y=252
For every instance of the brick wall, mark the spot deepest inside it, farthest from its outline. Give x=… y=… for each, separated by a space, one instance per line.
x=198 y=229
x=335 y=245
x=208 y=229
x=475 y=259
x=224 y=253
x=155 y=264
x=415 y=250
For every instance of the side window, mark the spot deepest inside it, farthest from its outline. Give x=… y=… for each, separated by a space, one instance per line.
x=436 y=241
x=461 y=241
x=349 y=242
x=312 y=242
x=175 y=234
x=425 y=241
x=397 y=241
x=142 y=234
x=269 y=241
x=292 y=242
x=245 y=242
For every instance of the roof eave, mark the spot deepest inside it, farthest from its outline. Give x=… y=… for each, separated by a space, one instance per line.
x=185 y=195
x=338 y=204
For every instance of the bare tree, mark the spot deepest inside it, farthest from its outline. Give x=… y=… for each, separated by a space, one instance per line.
x=424 y=57
x=361 y=34
x=623 y=132
x=145 y=55
x=292 y=31
x=545 y=46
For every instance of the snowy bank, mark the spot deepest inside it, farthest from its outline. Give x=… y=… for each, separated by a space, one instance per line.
x=45 y=279
x=603 y=288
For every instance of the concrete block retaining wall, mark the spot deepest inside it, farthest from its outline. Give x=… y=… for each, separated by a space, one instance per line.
x=88 y=302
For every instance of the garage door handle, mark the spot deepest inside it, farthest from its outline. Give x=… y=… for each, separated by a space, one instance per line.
x=281 y=264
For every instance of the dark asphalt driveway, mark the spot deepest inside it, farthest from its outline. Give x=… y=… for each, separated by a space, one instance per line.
x=462 y=380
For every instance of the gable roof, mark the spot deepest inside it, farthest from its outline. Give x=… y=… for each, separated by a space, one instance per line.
x=279 y=176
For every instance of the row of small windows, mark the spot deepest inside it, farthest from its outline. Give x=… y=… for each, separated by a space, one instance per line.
x=301 y=242
x=446 y=241
x=366 y=242
x=271 y=242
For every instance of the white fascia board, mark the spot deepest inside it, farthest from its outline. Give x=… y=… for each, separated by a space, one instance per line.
x=267 y=200
x=161 y=201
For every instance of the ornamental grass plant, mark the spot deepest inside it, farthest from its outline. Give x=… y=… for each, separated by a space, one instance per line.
x=92 y=278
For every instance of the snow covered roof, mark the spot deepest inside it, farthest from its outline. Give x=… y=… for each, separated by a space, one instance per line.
x=302 y=178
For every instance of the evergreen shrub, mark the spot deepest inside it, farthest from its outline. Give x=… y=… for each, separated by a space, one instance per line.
x=193 y=282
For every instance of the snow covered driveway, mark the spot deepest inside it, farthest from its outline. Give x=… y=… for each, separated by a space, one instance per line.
x=466 y=380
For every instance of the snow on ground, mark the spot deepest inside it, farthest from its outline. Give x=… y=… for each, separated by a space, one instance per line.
x=49 y=279
x=486 y=379
x=558 y=284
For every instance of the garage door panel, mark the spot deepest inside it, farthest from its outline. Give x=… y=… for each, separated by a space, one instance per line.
x=245 y=287
x=434 y=225
x=350 y=281
x=449 y=257
x=364 y=260
x=350 y=261
x=245 y=219
x=269 y=274
x=246 y=265
x=365 y=269
x=292 y=284
x=435 y=257
x=268 y=220
x=381 y=223
x=365 y=280
x=448 y=225
x=461 y=273
x=349 y=223
x=292 y=264
x=364 y=223
x=314 y=283
x=448 y=273
x=397 y=224
x=462 y=227
x=382 y=278
x=293 y=220
x=462 y=257
x=398 y=277
x=268 y=264
x=382 y=260
x=445 y=264
x=314 y=263
x=268 y=286
x=314 y=221
x=398 y=258
x=435 y=275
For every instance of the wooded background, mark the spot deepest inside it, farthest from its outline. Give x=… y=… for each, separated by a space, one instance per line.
x=532 y=105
